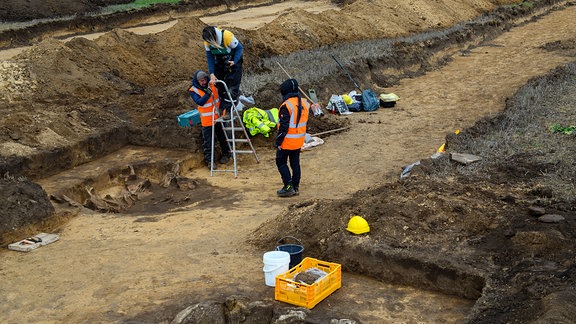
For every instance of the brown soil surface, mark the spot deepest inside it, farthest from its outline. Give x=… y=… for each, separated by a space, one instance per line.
x=79 y=116
x=48 y=9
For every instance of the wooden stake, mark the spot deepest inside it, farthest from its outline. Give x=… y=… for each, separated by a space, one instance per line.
x=330 y=131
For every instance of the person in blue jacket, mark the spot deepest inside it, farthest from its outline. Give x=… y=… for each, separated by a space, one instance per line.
x=224 y=58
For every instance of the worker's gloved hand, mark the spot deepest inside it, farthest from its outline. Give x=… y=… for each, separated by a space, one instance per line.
x=209 y=91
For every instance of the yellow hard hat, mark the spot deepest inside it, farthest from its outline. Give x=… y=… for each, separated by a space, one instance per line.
x=358 y=225
x=347 y=99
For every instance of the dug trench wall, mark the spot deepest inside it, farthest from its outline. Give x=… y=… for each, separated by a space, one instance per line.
x=407 y=267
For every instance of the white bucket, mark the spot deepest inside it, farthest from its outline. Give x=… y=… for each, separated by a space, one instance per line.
x=275 y=263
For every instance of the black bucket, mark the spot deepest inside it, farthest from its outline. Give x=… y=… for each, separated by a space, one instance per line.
x=295 y=250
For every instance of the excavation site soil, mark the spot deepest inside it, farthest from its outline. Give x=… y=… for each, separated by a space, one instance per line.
x=91 y=151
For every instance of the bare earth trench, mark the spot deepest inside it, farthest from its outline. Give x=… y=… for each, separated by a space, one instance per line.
x=111 y=268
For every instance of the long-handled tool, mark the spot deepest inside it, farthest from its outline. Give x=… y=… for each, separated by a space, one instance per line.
x=369 y=98
x=304 y=93
x=316 y=109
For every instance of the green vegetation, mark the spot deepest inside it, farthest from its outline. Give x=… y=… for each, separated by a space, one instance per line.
x=527 y=4
x=151 y=2
x=138 y=4
x=523 y=5
x=568 y=130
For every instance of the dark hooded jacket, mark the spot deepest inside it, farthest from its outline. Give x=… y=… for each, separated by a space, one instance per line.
x=288 y=89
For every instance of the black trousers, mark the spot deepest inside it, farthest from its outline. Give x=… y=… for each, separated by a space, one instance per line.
x=232 y=76
x=282 y=157
x=207 y=141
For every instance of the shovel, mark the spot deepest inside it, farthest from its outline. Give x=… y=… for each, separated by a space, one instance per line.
x=369 y=98
x=316 y=109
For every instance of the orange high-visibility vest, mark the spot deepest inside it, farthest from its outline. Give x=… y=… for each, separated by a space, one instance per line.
x=209 y=108
x=296 y=132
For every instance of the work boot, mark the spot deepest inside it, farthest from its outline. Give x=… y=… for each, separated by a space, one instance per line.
x=286 y=191
x=226 y=116
x=211 y=166
x=296 y=192
x=224 y=159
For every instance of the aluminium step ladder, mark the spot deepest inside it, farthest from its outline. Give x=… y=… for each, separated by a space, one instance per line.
x=232 y=127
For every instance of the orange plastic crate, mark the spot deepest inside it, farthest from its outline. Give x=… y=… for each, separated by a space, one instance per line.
x=301 y=294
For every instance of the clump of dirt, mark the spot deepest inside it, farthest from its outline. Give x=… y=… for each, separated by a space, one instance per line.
x=25 y=206
x=307 y=277
x=568 y=47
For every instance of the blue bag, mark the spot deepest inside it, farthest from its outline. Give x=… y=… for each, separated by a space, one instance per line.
x=369 y=100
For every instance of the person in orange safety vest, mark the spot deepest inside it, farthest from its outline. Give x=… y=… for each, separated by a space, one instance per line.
x=205 y=95
x=293 y=117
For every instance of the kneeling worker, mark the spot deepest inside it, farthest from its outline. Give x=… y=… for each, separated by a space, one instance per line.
x=206 y=96
x=293 y=117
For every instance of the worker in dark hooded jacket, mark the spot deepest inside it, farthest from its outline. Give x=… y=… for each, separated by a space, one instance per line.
x=293 y=117
x=206 y=96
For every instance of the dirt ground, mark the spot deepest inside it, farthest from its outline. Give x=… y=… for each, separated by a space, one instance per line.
x=78 y=116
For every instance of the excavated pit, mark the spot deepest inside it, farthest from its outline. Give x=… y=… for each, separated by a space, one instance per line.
x=152 y=186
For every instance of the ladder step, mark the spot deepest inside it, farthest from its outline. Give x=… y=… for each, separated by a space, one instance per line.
x=230 y=127
x=220 y=120
x=236 y=129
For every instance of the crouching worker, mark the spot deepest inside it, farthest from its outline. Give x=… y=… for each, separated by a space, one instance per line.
x=293 y=117
x=205 y=95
